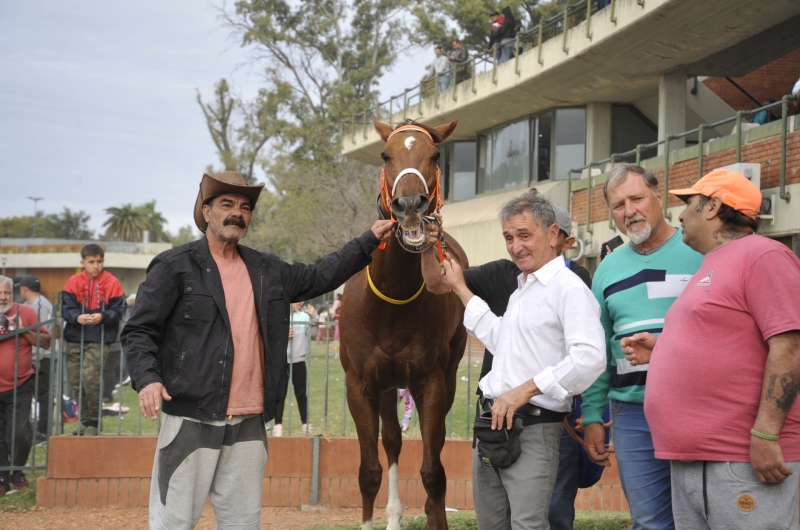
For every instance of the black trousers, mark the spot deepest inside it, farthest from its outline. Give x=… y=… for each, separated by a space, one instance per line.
x=299 y=376
x=19 y=431
x=43 y=396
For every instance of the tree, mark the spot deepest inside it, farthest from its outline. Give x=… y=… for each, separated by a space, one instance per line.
x=155 y=221
x=70 y=225
x=186 y=234
x=126 y=223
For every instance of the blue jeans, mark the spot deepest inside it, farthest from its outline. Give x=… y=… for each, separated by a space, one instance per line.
x=646 y=480
x=562 y=505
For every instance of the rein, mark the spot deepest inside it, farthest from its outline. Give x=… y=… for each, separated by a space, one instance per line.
x=392 y=300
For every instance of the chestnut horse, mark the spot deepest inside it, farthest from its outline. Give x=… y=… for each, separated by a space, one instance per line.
x=395 y=334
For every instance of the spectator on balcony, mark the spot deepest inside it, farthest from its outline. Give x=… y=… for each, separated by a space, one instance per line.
x=439 y=67
x=30 y=289
x=765 y=116
x=796 y=89
x=503 y=36
x=459 y=58
x=16 y=389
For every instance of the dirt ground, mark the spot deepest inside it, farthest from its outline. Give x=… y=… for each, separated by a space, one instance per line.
x=125 y=518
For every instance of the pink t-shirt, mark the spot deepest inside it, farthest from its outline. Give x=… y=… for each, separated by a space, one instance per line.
x=706 y=372
x=247 y=383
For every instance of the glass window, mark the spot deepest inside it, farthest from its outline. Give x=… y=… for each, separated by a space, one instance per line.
x=509 y=165
x=630 y=128
x=570 y=135
x=462 y=164
x=542 y=149
x=484 y=163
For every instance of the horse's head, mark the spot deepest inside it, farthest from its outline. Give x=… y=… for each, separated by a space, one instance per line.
x=410 y=179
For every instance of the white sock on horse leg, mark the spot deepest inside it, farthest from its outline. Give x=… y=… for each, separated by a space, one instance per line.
x=366 y=526
x=394 y=509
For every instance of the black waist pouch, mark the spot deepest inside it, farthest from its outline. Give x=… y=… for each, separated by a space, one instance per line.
x=497 y=448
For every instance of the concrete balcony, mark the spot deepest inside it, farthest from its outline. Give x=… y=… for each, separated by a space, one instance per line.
x=623 y=60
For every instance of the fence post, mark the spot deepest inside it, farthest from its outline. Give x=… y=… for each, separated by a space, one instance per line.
x=516 y=55
x=565 y=28
x=701 y=151
x=494 y=64
x=103 y=359
x=539 y=43
x=474 y=73
x=589 y=19
x=436 y=93
x=613 y=15
x=785 y=195
x=739 y=115
x=80 y=377
x=665 y=198
x=589 y=227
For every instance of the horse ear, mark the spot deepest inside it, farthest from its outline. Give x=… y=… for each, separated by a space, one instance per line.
x=383 y=129
x=442 y=132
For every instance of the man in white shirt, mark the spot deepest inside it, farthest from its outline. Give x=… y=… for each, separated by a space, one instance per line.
x=441 y=67
x=549 y=346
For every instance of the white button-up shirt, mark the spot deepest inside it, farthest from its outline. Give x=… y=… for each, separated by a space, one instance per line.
x=550 y=333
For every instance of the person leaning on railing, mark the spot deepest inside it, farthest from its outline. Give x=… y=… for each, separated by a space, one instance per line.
x=16 y=389
x=459 y=57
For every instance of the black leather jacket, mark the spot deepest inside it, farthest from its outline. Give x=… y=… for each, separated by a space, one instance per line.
x=179 y=333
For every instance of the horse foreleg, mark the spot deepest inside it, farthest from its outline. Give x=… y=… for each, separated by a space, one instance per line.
x=432 y=408
x=364 y=409
x=392 y=443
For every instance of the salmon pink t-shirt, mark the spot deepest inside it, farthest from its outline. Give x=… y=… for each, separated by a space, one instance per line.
x=707 y=370
x=247 y=383
x=8 y=353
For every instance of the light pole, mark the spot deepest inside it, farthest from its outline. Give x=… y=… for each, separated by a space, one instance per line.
x=35 y=202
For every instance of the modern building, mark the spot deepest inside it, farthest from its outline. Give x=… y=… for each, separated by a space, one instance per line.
x=636 y=72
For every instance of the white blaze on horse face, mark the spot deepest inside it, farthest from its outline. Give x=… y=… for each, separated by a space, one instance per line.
x=394 y=508
x=409 y=142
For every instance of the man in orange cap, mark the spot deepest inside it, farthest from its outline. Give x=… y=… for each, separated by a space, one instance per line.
x=208 y=336
x=725 y=371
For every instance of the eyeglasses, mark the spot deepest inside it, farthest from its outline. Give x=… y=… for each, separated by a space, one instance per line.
x=6 y=325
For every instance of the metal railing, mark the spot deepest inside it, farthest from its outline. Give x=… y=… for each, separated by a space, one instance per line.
x=701 y=149
x=479 y=64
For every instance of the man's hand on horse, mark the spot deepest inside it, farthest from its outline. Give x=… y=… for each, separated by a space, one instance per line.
x=434 y=229
x=382 y=228
x=638 y=348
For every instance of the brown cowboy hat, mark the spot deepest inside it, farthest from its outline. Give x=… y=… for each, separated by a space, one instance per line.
x=227 y=182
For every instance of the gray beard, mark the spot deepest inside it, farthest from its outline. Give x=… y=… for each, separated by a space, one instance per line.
x=637 y=238
x=6 y=307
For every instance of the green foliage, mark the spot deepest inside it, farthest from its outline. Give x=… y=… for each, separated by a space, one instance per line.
x=155 y=221
x=126 y=223
x=67 y=224
x=185 y=234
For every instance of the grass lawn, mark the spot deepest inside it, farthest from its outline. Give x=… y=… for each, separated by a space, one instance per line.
x=584 y=520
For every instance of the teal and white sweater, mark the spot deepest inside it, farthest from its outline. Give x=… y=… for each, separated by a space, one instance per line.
x=635 y=292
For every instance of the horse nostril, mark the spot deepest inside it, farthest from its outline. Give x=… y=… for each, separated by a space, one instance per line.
x=421 y=203
x=400 y=206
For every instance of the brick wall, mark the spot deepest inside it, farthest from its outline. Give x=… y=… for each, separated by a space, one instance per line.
x=681 y=175
x=119 y=471
x=774 y=80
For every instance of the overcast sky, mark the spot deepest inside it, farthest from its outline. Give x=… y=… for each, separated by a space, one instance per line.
x=97 y=102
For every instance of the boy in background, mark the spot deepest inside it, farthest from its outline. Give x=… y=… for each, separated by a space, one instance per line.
x=92 y=304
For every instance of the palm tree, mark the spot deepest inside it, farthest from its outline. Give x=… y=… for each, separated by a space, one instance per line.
x=126 y=223
x=155 y=221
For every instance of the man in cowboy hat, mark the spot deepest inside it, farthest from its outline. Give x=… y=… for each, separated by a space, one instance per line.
x=208 y=336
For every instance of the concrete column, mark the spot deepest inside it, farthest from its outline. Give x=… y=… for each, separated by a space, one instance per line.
x=598 y=131
x=672 y=108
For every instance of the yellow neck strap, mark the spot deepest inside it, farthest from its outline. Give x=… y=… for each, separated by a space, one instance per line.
x=391 y=300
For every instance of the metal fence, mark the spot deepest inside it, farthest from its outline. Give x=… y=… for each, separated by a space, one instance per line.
x=635 y=154
x=480 y=64
x=119 y=414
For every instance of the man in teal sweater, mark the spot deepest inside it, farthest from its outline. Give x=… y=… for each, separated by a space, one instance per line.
x=635 y=287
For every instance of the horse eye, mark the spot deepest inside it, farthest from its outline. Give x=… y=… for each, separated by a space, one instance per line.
x=436 y=157
x=385 y=157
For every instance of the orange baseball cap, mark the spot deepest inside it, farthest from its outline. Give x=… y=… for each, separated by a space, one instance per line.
x=732 y=188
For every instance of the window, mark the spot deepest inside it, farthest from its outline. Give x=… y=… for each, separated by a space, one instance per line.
x=510 y=157
x=630 y=127
x=570 y=135
x=462 y=164
x=543 y=125
x=484 y=163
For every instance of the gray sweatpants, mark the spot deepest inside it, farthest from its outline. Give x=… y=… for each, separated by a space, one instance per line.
x=518 y=496
x=728 y=496
x=221 y=460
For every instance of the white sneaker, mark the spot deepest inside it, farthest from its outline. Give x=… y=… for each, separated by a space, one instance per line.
x=277 y=430
x=307 y=429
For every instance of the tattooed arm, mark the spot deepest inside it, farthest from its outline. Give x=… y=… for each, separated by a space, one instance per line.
x=778 y=392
